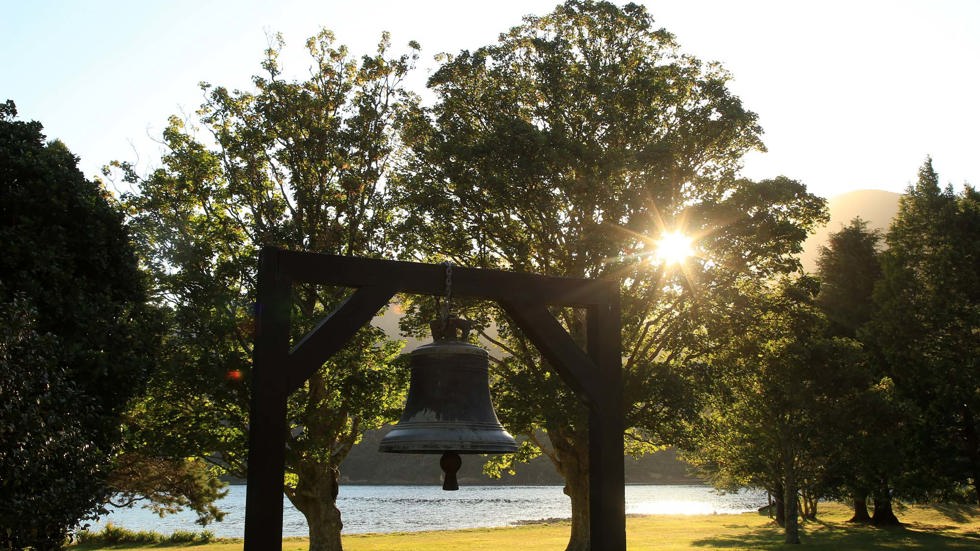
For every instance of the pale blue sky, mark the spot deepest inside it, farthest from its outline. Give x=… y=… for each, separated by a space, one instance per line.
x=852 y=94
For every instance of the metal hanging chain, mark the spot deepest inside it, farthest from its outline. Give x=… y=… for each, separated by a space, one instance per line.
x=444 y=311
x=449 y=279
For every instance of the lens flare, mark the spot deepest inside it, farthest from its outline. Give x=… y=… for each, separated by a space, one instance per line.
x=673 y=248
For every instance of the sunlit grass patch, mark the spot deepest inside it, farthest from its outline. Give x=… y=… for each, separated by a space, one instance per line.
x=953 y=527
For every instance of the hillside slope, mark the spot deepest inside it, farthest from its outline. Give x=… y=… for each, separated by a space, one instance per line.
x=874 y=206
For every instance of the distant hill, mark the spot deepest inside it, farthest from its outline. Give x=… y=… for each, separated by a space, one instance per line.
x=365 y=465
x=874 y=206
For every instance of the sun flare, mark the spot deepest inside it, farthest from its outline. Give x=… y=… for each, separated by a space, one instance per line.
x=673 y=248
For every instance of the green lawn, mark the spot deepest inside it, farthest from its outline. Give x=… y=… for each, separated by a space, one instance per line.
x=926 y=528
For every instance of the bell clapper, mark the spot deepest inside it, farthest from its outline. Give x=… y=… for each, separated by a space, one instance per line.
x=450 y=463
x=448 y=409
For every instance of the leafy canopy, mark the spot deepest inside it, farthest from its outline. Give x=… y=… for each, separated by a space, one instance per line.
x=299 y=164
x=568 y=147
x=925 y=325
x=77 y=342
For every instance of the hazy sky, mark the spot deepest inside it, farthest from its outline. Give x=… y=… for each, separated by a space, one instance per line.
x=852 y=94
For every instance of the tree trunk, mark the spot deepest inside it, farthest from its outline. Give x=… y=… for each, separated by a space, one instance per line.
x=792 y=526
x=884 y=515
x=578 y=492
x=972 y=440
x=316 y=497
x=571 y=458
x=777 y=496
x=809 y=505
x=861 y=515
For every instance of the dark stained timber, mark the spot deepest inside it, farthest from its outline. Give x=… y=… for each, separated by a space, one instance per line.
x=607 y=491
x=429 y=279
x=334 y=331
x=267 y=419
x=572 y=364
x=595 y=373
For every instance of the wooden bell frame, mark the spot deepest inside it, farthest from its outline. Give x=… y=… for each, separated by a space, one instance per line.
x=595 y=374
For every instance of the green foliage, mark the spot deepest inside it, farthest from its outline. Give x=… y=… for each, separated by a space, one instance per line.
x=784 y=395
x=925 y=325
x=77 y=340
x=568 y=148
x=50 y=478
x=117 y=535
x=167 y=484
x=849 y=268
x=298 y=164
x=870 y=452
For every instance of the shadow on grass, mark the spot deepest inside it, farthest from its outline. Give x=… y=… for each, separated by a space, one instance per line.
x=828 y=536
x=957 y=512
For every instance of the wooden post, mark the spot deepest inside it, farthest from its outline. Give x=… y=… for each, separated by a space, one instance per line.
x=267 y=416
x=607 y=484
x=595 y=374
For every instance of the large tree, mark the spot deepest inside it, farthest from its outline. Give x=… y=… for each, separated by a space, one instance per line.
x=77 y=339
x=301 y=164
x=875 y=452
x=569 y=148
x=848 y=268
x=784 y=394
x=925 y=326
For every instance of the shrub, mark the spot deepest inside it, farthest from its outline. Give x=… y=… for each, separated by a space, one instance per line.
x=117 y=535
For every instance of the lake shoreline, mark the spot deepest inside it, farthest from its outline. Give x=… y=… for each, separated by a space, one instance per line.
x=418 y=508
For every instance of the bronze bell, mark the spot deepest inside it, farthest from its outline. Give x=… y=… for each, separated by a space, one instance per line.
x=448 y=410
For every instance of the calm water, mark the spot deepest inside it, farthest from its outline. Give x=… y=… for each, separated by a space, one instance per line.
x=414 y=508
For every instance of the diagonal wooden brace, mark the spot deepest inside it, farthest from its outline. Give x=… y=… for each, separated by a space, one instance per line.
x=334 y=332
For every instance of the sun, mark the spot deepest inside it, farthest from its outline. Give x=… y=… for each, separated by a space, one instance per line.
x=673 y=248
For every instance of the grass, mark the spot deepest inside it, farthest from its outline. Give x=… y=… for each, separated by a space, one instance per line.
x=940 y=527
